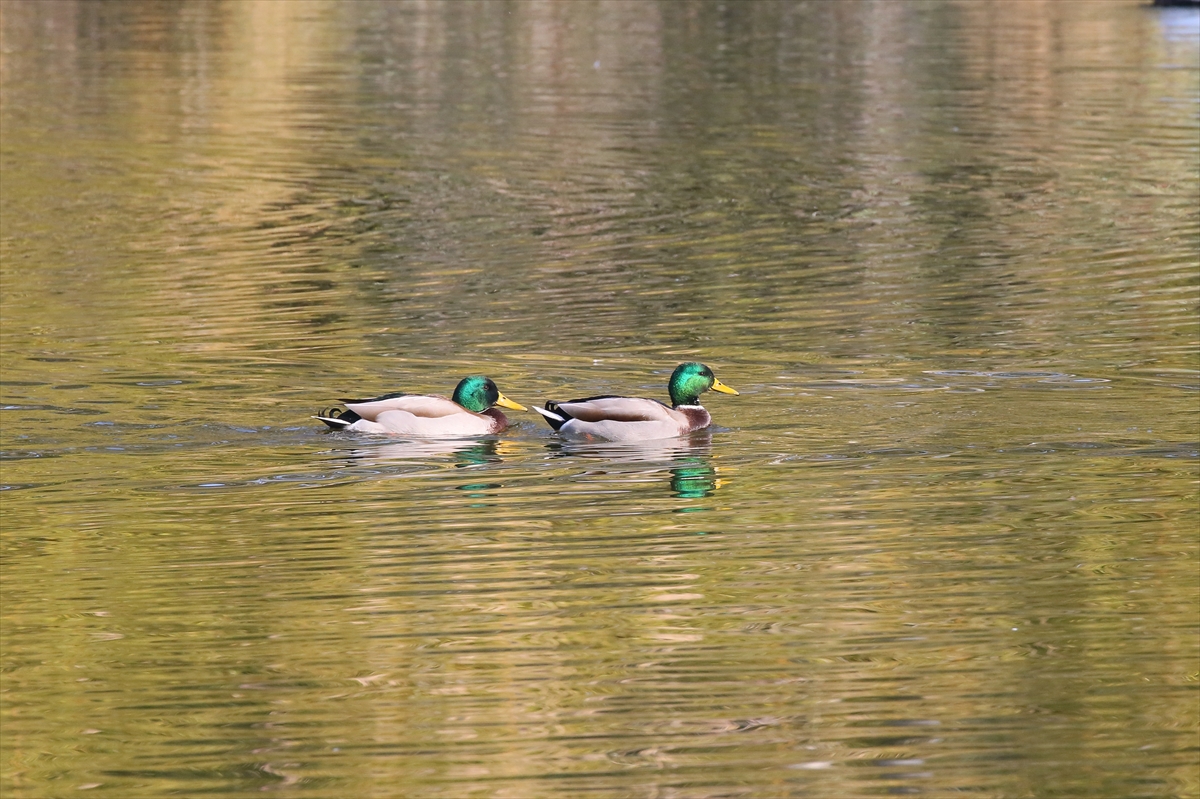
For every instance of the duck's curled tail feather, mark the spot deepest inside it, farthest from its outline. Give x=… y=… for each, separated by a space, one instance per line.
x=556 y=416
x=338 y=418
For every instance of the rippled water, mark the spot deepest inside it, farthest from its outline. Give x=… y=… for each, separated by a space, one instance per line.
x=944 y=543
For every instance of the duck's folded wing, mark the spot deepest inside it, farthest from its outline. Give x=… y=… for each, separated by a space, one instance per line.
x=615 y=409
x=422 y=405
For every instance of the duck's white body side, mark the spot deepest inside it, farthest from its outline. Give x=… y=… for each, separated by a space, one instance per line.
x=625 y=419
x=422 y=416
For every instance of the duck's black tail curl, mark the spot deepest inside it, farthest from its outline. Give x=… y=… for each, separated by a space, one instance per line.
x=338 y=418
x=560 y=416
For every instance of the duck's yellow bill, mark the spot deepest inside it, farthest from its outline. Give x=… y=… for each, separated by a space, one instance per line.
x=505 y=402
x=724 y=389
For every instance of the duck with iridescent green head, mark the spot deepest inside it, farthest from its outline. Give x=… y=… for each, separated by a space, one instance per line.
x=609 y=418
x=471 y=411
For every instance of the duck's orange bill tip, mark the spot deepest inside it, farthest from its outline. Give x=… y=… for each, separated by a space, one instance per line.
x=505 y=402
x=724 y=389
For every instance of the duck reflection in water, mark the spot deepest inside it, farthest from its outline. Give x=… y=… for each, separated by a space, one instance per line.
x=426 y=455
x=685 y=460
x=465 y=452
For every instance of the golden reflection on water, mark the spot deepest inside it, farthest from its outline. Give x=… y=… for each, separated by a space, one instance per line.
x=944 y=542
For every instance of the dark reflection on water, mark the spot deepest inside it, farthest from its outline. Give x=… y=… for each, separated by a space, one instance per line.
x=943 y=543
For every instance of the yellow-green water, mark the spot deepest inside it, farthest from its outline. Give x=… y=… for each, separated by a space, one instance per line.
x=944 y=543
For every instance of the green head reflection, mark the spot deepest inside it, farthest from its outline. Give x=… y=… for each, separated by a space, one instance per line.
x=693 y=481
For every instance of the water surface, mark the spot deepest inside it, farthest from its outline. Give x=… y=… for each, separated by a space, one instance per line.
x=944 y=543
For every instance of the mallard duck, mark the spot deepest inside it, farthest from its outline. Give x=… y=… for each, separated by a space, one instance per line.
x=609 y=418
x=470 y=412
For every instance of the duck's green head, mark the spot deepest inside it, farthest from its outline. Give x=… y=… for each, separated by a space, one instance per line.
x=690 y=380
x=478 y=393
